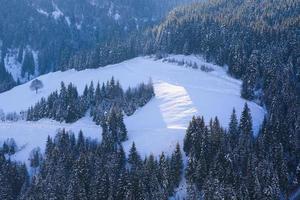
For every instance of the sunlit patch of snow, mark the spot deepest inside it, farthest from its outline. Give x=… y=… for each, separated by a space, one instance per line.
x=78 y=26
x=176 y=105
x=112 y=13
x=57 y=13
x=93 y=2
x=110 y=10
x=41 y=11
x=68 y=20
x=117 y=16
x=36 y=62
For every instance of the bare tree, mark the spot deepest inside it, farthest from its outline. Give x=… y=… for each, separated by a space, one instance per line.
x=36 y=85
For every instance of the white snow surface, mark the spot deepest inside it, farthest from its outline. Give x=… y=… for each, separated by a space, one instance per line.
x=43 y=12
x=68 y=21
x=14 y=67
x=57 y=13
x=117 y=16
x=180 y=93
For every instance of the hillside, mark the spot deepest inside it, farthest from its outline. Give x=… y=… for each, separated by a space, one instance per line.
x=41 y=36
x=181 y=92
x=149 y=99
x=259 y=42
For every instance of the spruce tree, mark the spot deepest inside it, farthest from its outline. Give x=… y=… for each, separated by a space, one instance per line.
x=176 y=166
x=233 y=130
x=134 y=158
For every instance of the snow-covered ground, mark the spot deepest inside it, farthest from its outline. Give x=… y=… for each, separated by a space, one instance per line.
x=180 y=93
x=14 y=67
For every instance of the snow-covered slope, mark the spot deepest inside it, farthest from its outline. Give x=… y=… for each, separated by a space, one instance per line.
x=180 y=93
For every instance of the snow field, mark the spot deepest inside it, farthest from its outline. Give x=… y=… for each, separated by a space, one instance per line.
x=180 y=93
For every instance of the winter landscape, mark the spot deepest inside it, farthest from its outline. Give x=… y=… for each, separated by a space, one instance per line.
x=149 y=99
x=162 y=121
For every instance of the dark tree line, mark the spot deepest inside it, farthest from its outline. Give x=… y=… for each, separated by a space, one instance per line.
x=67 y=105
x=230 y=164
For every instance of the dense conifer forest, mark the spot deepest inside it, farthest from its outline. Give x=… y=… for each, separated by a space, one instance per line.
x=259 y=42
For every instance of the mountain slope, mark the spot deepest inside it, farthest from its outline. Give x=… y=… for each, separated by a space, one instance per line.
x=180 y=93
x=58 y=35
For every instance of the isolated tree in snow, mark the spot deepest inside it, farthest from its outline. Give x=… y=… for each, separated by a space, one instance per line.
x=36 y=85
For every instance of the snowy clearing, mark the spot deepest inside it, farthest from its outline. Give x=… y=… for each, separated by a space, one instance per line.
x=180 y=93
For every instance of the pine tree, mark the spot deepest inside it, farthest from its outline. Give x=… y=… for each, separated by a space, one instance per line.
x=81 y=146
x=281 y=167
x=201 y=171
x=91 y=94
x=98 y=95
x=100 y=186
x=78 y=188
x=188 y=139
x=62 y=103
x=191 y=170
x=134 y=158
x=28 y=65
x=192 y=192
x=176 y=166
x=5 y=187
x=163 y=176
x=246 y=136
x=122 y=186
x=233 y=130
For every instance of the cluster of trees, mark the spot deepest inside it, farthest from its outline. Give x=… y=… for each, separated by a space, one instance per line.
x=229 y=164
x=67 y=105
x=189 y=64
x=11 y=116
x=9 y=147
x=81 y=169
x=13 y=176
x=258 y=40
x=6 y=80
x=28 y=64
x=260 y=43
